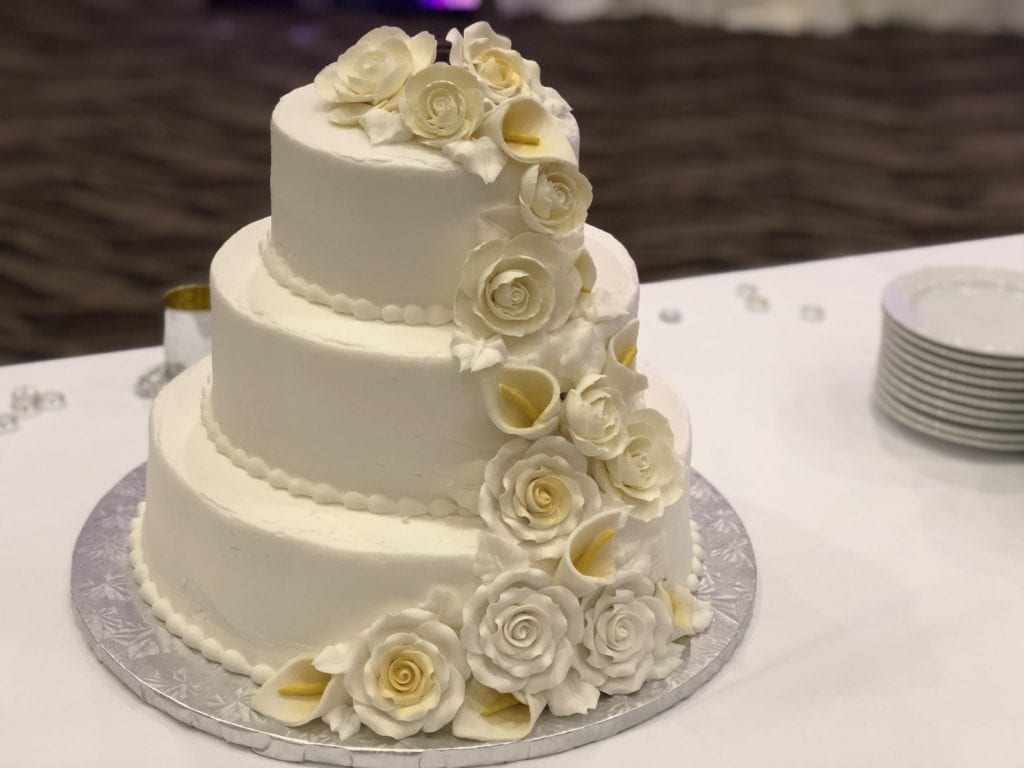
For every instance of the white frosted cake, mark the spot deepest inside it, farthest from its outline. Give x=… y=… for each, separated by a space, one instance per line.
x=417 y=486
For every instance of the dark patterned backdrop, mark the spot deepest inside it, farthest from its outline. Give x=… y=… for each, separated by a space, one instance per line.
x=133 y=140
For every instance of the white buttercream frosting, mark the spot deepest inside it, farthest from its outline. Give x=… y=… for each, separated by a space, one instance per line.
x=388 y=223
x=291 y=381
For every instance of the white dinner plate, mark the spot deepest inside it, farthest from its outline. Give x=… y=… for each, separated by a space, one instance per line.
x=940 y=429
x=997 y=389
x=909 y=345
x=943 y=391
x=977 y=309
x=965 y=413
x=999 y=426
x=989 y=362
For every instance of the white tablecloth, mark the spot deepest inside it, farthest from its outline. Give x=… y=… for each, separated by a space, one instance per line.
x=890 y=612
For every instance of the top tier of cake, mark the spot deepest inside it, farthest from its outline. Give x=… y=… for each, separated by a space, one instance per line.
x=371 y=226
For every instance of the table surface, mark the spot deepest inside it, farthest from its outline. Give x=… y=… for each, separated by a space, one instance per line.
x=890 y=605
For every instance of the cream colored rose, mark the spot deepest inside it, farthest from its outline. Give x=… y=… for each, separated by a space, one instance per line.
x=441 y=104
x=372 y=72
x=537 y=493
x=490 y=57
x=520 y=632
x=406 y=674
x=516 y=287
x=554 y=199
x=594 y=418
x=626 y=636
x=647 y=476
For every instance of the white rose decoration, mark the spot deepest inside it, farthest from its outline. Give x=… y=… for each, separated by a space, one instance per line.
x=537 y=494
x=554 y=199
x=647 y=476
x=520 y=632
x=594 y=418
x=442 y=104
x=626 y=636
x=516 y=287
x=490 y=57
x=372 y=72
x=406 y=673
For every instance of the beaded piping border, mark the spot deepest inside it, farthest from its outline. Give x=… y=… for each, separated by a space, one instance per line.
x=322 y=493
x=177 y=624
x=361 y=309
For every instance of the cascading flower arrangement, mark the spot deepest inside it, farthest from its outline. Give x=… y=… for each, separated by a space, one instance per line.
x=568 y=606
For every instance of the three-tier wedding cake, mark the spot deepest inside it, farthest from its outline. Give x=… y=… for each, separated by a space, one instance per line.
x=416 y=485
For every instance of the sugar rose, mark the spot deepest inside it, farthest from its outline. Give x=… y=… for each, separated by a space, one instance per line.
x=626 y=636
x=647 y=476
x=594 y=417
x=490 y=57
x=537 y=493
x=554 y=199
x=516 y=287
x=520 y=632
x=372 y=72
x=441 y=104
x=406 y=673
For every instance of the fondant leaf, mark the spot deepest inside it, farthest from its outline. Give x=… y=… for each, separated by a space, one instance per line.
x=444 y=604
x=384 y=127
x=342 y=720
x=332 y=659
x=573 y=696
x=477 y=354
x=495 y=556
x=480 y=156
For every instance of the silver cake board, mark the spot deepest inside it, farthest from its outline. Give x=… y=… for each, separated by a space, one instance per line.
x=162 y=671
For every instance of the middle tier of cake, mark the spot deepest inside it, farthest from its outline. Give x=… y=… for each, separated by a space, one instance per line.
x=366 y=413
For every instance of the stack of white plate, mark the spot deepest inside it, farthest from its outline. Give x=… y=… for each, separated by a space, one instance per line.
x=952 y=358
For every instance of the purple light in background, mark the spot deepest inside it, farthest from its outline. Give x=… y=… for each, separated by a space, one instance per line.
x=450 y=5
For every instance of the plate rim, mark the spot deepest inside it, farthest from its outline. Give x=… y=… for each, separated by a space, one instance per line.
x=937 y=429
x=897 y=304
x=907 y=340
x=1002 y=394
x=945 y=414
x=930 y=400
x=955 y=395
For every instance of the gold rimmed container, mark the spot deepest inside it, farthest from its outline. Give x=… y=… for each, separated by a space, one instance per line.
x=186 y=327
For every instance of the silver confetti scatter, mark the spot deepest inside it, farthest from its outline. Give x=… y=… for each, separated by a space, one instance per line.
x=812 y=313
x=27 y=402
x=758 y=304
x=670 y=315
x=152 y=381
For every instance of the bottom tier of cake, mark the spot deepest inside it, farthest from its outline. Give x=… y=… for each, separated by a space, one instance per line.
x=252 y=576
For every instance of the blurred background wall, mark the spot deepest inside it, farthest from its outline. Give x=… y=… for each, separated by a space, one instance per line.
x=134 y=139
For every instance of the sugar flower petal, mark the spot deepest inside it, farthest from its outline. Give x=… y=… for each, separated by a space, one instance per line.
x=298 y=693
